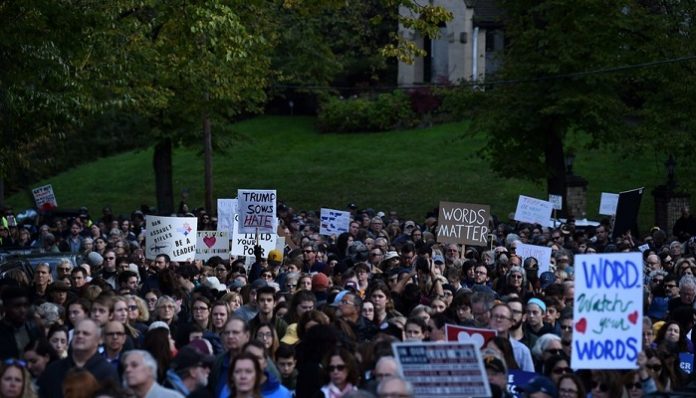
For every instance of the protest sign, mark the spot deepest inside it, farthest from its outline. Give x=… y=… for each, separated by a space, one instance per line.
x=443 y=369
x=464 y=223
x=212 y=243
x=686 y=362
x=607 y=203
x=173 y=236
x=607 y=311
x=334 y=222
x=45 y=198
x=226 y=209
x=556 y=201
x=257 y=211
x=531 y=210
x=464 y=334
x=243 y=244
x=541 y=253
x=516 y=379
x=627 y=213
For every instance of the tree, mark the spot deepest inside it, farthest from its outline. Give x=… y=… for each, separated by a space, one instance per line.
x=544 y=92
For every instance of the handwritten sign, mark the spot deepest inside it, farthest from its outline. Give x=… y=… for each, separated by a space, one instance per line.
x=443 y=369
x=334 y=222
x=226 y=209
x=45 y=198
x=541 y=253
x=556 y=201
x=257 y=210
x=464 y=223
x=531 y=210
x=607 y=203
x=607 y=311
x=212 y=243
x=173 y=236
x=465 y=334
x=243 y=244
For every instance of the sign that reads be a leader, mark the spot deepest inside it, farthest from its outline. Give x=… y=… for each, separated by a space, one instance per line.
x=257 y=211
x=173 y=236
x=607 y=311
x=464 y=223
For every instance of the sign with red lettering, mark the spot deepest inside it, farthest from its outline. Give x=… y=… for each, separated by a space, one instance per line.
x=257 y=211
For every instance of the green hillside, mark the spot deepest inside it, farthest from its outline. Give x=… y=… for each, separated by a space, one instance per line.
x=408 y=171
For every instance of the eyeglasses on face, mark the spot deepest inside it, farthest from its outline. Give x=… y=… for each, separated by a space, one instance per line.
x=554 y=351
x=637 y=386
x=332 y=368
x=560 y=371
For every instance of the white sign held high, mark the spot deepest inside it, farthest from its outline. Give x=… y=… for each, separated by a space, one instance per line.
x=531 y=210
x=173 y=236
x=608 y=203
x=257 y=211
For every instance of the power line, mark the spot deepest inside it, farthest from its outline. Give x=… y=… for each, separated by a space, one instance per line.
x=561 y=76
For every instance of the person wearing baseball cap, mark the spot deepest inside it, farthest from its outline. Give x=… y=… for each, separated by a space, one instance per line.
x=189 y=371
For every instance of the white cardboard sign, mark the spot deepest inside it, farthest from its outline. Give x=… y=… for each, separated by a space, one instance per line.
x=257 y=211
x=541 y=253
x=608 y=203
x=243 y=244
x=44 y=197
x=212 y=243
x=334 y=222
x=557 y=201
x=173 y=236
x=531 y=210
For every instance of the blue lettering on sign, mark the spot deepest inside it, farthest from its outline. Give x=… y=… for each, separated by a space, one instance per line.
x=611 y=274
x=607 y=349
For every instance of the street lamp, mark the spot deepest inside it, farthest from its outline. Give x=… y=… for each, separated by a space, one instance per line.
x=569 y=159
x=671 y=164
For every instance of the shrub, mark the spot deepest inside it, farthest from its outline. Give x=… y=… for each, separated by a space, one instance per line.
x=377 y=113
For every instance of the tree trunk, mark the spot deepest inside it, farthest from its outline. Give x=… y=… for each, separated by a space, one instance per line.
x=555 y=164
x=162 y=163
x=2 y=192
x=208 y=163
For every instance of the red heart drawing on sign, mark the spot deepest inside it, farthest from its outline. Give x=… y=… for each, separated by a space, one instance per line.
x=209 y=241
x=581 y=325
x=633 y=317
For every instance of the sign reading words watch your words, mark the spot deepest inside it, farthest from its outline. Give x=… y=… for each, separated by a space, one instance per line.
x=607 y=311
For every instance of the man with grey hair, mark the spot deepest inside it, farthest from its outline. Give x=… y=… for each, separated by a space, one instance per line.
x=87 y=336
x=140 y=375
x=687 y=294
x=394 y=386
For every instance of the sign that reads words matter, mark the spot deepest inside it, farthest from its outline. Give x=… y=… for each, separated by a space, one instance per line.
x=607 y=311
x=464 y=223
x=213 y=243
x=257 y=211
x=443 y=369
x=173 y=236
x=531 y=210
x=334 y=222
x=44 y=197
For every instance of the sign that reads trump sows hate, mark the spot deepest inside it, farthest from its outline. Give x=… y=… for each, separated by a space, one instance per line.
x=173 y=236
x=607 y=311
x=257 y=211
x=465 y=223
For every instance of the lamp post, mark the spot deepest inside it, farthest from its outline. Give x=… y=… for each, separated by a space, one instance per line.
x=670 y=164
x=569 y=159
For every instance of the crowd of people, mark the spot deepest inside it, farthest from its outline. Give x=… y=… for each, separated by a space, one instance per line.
x=318 y=318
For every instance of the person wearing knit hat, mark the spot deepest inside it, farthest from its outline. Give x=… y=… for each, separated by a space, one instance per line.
x=320 y=287
x=536 y=309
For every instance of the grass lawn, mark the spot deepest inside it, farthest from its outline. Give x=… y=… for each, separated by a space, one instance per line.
x=408 y=171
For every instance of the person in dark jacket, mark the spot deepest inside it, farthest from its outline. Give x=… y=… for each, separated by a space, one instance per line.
x=84 y=355
x=16 y=330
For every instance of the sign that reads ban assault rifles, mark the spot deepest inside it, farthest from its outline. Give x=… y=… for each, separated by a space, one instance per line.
x=257 y=211
x=465 y=223
x=173 y=236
